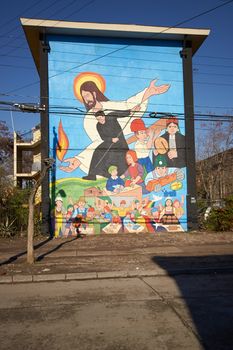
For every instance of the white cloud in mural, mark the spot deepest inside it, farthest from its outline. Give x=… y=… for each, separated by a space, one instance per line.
x=157 y=198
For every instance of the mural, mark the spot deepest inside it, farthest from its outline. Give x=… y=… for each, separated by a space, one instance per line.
x=117 y=134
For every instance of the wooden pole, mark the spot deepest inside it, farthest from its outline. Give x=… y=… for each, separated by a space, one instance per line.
x=30 y=248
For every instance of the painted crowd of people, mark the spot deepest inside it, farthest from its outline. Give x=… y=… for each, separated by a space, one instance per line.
x=142 y=181
x=126 y=216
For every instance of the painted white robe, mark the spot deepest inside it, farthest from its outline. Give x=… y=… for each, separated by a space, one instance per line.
x=109 y=106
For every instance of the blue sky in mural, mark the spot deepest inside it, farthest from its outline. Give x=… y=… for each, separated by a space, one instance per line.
x=125 y=72
x=213 y=63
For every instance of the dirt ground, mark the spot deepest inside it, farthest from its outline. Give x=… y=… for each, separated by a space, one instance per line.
x=122 y=241
x=125 y=252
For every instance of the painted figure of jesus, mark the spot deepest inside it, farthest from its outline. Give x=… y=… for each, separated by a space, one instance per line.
x=90 y=94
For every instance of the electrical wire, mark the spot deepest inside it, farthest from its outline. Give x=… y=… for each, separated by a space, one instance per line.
x=74 y=99
x=151 y=115
x=156 y=104
x=170 y=80
x=39 y=12
x=55 y=2
x=124 y=47
x=16 y=17
x=131 y=49
x=214 y=74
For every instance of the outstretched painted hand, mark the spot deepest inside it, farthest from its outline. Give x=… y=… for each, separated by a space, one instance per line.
x=157 y=90
x=74 y=163
x=154 y=90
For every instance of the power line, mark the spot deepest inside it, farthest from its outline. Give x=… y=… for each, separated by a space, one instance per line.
x=119 y=49
x=91 y=62
x=215 y=57
x=138 y=68
x=74 y=99
x=151 y=114
x=168 y=81
x=130 y=49
x=73 y=1
x=16 y=27
x=16 y=17
x=178 y=24
x=129 y=58
x=120 y=66
x=56 y=1
x=205 y=12
x=16 y=66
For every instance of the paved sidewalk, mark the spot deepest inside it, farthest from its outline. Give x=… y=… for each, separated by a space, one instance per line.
x=114 y=256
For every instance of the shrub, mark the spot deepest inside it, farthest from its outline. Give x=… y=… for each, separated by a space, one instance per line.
x=221 y=219
x=14 y=213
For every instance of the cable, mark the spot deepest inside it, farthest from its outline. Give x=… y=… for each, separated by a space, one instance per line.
x=91 y=61
x=111 y=75
x=78 y=111
x=205 y=12
x=215 y=57
x=64 y=7
x=74 y=53
x=74 y=99
x=119 y=49
x=44 y=9
x=178 y=24
x=130 y=49
x=15 y=66
x=131 y=67
x=158 y=115
x=16 y=17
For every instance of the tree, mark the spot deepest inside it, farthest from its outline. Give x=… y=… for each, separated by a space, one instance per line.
x=6 y=167
x=212 y=146
x=6 y=148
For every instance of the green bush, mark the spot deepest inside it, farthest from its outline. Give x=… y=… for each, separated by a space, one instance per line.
x=221 y=219
x=14 y=213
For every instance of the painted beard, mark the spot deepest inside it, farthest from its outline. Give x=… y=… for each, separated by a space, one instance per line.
x=91 y=103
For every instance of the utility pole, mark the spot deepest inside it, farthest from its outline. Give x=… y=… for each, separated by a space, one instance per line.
x=47 y=164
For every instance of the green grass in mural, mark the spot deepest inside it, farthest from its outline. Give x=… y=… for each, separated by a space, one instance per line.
x=72 y=188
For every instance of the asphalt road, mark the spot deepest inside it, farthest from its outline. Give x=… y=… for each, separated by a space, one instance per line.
x=147 y=313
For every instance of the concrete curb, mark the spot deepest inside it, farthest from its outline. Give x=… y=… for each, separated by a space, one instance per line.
x=82 y=276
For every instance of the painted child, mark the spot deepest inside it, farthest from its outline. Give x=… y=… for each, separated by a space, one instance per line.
x=178 y=205
x=143 y=144
x=59 y=216
x=80 y=208
x=114 y=183
x=68 y=225
x=175 y=144
x=167 y=215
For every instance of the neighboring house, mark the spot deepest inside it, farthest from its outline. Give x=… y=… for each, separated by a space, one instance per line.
x=27 y=158
x=215 y=176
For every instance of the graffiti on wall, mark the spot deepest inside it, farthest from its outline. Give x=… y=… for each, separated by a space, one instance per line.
x=120 y=165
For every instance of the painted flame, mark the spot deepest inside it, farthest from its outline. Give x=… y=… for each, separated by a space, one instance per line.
x=62 y=144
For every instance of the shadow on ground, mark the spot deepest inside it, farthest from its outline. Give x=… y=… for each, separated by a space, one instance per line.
x=13 y=258
x=208 y=296
x=42 y=256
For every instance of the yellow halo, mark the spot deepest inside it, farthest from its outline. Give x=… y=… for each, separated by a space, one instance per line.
x=88 y=76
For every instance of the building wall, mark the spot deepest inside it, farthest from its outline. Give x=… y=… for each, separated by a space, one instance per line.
x=27 y=157
x=82 y=146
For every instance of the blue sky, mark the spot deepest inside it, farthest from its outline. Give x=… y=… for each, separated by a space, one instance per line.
x=213 y=63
